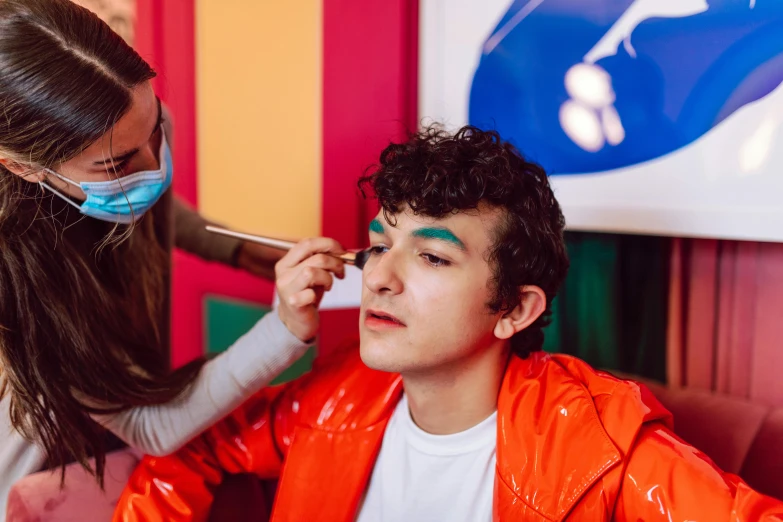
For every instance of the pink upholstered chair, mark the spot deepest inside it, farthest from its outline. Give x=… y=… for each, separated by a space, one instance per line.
x=39 y=498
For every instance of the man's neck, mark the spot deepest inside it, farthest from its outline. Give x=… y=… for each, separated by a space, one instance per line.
x=459 y=396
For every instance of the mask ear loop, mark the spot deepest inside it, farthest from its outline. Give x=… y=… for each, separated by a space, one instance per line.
x=57 y=192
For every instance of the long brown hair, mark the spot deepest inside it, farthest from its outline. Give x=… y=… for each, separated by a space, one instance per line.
x=81 y=301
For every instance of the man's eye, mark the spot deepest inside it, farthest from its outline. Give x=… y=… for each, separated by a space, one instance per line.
x=435 y=260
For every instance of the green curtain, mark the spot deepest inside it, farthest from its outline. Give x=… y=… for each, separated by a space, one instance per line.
x=611 y=310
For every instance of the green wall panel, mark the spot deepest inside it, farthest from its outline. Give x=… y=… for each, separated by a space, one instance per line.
x=226 y=320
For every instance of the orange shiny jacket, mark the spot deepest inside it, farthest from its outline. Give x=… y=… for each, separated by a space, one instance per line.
x=573 y=444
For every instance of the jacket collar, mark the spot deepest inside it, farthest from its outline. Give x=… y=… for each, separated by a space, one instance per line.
x=552 y=446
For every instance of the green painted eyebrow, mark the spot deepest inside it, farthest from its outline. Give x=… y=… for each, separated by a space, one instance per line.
x=376 y=226
x=439 y=233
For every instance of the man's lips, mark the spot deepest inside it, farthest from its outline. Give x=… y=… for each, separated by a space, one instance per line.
x=382 y=316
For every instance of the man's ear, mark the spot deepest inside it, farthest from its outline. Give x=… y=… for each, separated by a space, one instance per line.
x=531 y=305
x=25 y=172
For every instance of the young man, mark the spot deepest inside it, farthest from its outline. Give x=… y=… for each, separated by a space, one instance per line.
x=448 y=409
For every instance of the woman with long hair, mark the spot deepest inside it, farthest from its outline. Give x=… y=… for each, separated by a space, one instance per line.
x=87 y=223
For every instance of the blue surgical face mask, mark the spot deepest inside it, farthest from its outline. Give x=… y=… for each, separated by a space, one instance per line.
x=123 y=200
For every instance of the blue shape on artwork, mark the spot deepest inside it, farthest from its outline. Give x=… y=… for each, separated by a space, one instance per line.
x=679 y=78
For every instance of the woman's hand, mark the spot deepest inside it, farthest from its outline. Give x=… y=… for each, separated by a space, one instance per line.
x=303 y=275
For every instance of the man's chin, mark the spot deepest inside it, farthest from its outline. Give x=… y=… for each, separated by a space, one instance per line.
x=371 y=360
x=378 y=357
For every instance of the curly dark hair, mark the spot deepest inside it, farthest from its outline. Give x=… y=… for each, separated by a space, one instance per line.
x=436 y=174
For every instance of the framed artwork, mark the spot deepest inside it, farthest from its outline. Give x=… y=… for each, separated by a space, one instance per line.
x=652 y=116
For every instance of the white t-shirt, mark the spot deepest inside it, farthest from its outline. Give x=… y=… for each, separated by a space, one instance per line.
x=421 y=477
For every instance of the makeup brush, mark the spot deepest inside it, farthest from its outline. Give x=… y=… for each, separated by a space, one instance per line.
x=357 y=259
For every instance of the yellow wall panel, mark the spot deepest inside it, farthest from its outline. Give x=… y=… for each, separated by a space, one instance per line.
x=258 y=70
